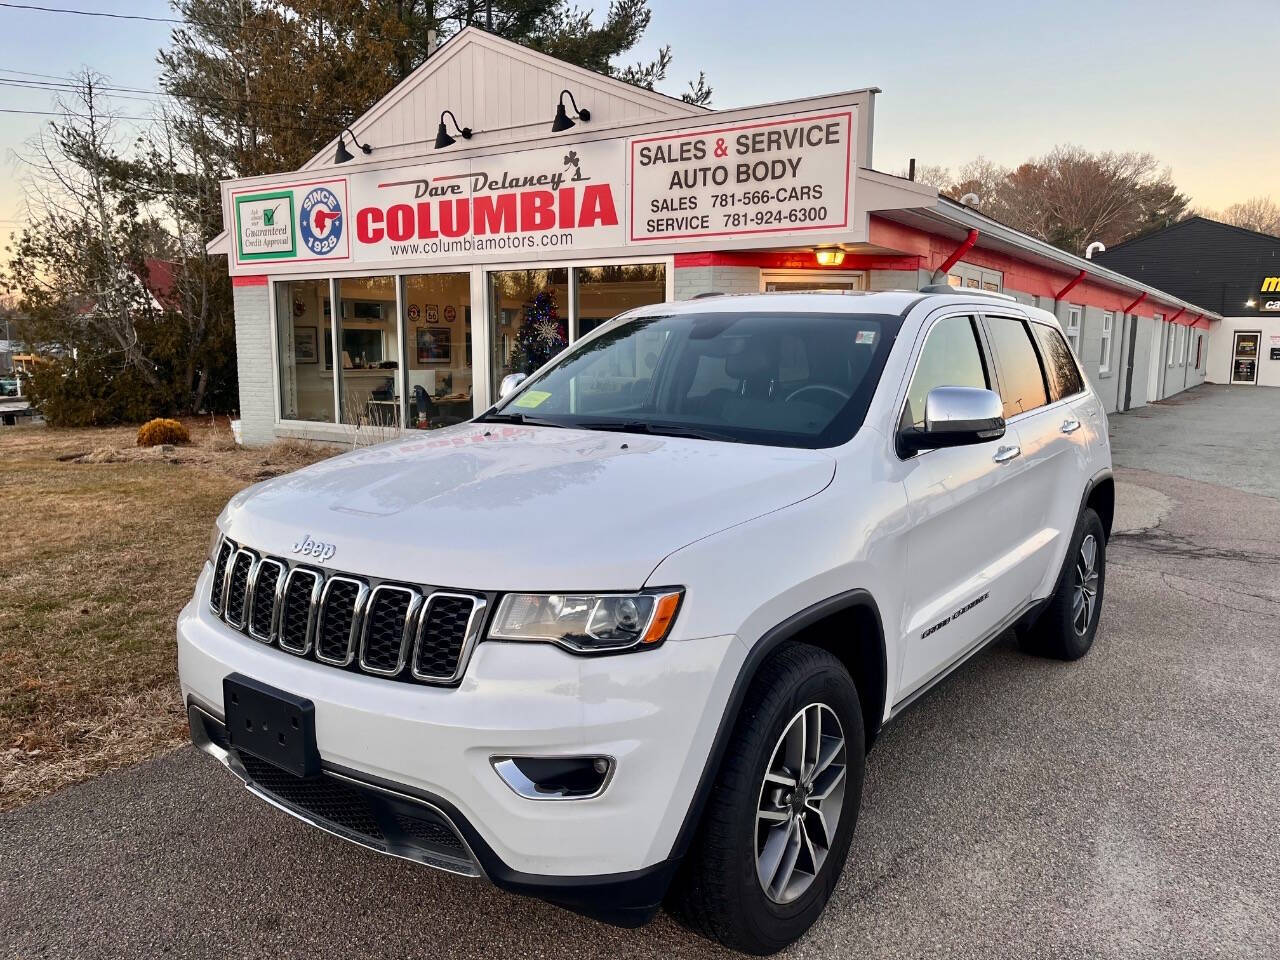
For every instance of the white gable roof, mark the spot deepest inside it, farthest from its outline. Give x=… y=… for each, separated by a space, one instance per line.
x=505 y=92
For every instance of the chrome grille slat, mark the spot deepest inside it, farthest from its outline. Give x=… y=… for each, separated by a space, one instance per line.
x=299 y=600
x=264 y=599
x=387 y=630
x=338 y=623
x=217 y=588
x=447 y=631
x=390 y=630
x=237 y=588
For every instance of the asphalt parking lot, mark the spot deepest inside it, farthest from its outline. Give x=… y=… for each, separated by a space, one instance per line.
x=1122 y=806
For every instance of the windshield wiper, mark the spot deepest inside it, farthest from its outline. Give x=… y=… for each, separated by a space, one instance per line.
x=521 y=418
x=657 y=429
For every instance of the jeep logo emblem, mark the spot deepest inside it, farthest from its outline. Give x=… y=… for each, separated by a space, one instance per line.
x=314 y=548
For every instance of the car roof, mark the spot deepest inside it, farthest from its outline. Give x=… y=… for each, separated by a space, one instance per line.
x=827 y=301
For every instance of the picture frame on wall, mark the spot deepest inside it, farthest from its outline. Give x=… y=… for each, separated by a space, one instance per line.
x=434 y=345
x=306 y=345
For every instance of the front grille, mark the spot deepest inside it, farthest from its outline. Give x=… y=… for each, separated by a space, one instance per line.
x=329 y=799
x=443 y=635
x=386 y=821
x=387 y=624
x=297 y=610
x=238 y=587
x=390 y=630
x=262 y=606
x=225 y=550
x=339 y=607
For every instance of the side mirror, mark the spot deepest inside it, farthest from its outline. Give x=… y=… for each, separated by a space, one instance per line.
x=955 y=417
x=510 y=382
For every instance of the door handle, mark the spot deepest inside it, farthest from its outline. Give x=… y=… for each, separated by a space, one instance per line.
x=1071 y=425
x=1005 y=454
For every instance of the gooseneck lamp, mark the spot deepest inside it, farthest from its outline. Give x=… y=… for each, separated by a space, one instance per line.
x=442 y=135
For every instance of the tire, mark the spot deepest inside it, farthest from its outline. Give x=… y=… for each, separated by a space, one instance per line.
x=1066 y=627
x=719 y=892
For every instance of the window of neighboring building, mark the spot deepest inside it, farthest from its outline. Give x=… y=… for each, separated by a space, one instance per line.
x=1059 y=362
x=1171 y=339
x=950 y=358
x=1022 y=385
x=1199 y=344
x=1182 y=337
x=1104 y=360
x=1072 y=326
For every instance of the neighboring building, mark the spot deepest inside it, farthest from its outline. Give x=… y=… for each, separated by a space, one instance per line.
x=1233 y=271
x=454 y=255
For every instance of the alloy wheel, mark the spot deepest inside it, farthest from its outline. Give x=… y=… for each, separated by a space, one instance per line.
x=1085 y=597
x=801 y=798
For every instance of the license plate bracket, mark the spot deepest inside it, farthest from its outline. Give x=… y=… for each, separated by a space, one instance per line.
x=271 y=724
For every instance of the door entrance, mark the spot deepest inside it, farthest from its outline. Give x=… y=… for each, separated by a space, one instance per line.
x=813 y=280
x=1244 y=357
x=1128 y=367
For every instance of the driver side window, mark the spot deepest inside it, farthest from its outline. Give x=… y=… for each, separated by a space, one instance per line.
x=951 y=358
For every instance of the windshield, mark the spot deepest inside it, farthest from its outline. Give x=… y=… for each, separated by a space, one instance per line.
x=784 y=379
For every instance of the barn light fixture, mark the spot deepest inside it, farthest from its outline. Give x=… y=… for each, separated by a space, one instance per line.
x=343 y=154
x=442 y=135
x=562 y=121
x=829 y=256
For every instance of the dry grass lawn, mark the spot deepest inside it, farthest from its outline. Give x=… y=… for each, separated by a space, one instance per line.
x=103 y=543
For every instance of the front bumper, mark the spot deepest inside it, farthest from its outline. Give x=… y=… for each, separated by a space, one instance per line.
x=656 y=712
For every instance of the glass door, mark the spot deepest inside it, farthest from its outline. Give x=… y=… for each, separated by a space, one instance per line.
x=1244 y=358
x=438 y=350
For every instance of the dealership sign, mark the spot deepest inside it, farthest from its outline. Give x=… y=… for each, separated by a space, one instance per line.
x=779 y=175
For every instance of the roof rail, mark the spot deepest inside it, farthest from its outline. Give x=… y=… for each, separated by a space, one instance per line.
x=707 y=293
x=966 y=291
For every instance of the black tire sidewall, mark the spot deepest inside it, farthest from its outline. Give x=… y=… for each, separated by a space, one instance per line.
x=831 y=685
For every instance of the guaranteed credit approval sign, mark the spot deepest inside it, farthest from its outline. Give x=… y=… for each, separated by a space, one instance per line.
x=782 y=175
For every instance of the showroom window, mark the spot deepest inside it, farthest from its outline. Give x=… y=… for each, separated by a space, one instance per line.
x=533 y=313
x=370 y=358
x=304 y=350
x=1104 y=360
x=437 y=330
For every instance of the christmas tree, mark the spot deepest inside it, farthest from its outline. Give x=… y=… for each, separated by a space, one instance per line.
x=542 y=334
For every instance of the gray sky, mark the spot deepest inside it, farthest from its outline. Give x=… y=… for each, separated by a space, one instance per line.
x=1195 y=84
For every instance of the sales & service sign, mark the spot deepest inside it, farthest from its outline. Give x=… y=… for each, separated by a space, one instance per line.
x=783 y=175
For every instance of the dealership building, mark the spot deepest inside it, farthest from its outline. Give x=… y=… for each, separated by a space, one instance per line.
x=499 y=203
x=1234 y=271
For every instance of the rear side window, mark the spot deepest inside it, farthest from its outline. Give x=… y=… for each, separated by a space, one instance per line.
x=1059 y=365
x=950 y=358
x=1021 y=381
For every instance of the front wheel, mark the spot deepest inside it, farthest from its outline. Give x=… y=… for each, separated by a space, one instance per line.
x=777 y=828
x=1066 y=628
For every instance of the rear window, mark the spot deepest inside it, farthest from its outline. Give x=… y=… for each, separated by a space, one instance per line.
x=1021 y=380
x=1059 y=364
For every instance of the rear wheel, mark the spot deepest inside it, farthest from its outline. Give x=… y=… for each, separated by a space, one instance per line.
x=776 y=831
x=1066 y=628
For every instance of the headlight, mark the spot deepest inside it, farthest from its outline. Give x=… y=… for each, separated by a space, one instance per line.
x=588 y=623
x=213 y=545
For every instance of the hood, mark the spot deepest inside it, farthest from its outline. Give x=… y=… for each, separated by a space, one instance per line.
x=503 y=507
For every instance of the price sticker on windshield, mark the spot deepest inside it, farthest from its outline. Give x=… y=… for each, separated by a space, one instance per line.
x=531 y=398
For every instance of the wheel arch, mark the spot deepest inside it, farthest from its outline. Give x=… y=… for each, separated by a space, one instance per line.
x=1100 y=496
x=848 y=626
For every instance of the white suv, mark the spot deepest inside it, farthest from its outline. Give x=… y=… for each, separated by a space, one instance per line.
x=627 y=637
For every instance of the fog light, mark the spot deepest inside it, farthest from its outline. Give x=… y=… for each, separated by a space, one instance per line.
x=555 y=778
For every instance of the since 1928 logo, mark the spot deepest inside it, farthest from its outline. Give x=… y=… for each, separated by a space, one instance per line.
x=320 y=221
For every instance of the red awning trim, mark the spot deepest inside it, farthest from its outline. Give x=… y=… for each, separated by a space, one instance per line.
x=253 y=281
x=794 y=260
x=965 y=246
x=1129 y=309
x=1070 y=286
